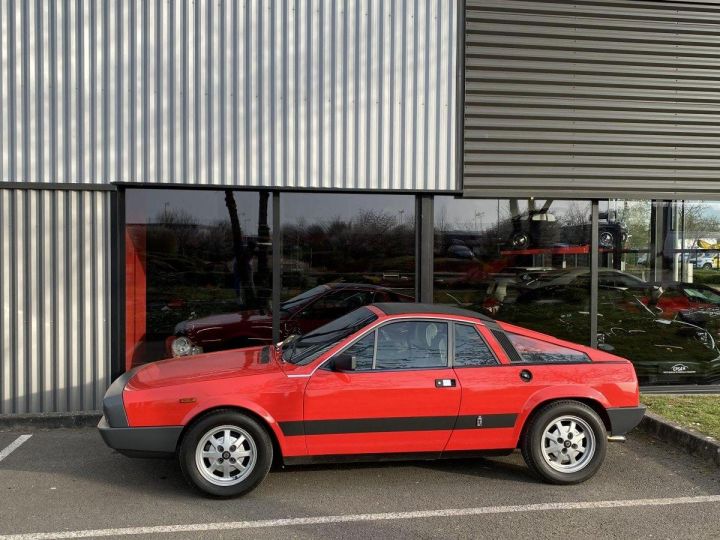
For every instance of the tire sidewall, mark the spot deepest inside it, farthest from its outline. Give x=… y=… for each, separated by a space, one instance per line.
x=199 y=428
x=533 y=441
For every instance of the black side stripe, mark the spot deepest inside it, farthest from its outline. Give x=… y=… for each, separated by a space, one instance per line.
x=384 y=425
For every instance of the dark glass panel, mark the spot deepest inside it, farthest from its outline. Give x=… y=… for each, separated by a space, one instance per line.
x=521 y=261
x=342 y=251
x=198 y=271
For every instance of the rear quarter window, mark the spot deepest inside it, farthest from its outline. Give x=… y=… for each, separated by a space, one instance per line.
x=537 y=351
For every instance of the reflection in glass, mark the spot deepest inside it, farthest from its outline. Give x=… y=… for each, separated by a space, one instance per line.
x=343 y=251
x=521 y=261
x=666 y=322
x=198 y=272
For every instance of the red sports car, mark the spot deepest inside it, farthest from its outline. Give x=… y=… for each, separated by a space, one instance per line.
x=389 y=380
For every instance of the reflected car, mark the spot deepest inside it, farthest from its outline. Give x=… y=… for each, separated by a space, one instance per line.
x=541 y=229
x=706 y=262
x=663 y=348
x=460 y=251
x=298 y=315
x=386 y=381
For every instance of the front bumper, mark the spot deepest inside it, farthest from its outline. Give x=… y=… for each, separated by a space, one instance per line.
x=133 y=441
x=623 y=419
x=141 y=441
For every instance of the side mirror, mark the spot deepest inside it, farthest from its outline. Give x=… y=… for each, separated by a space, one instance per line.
x=344 y=362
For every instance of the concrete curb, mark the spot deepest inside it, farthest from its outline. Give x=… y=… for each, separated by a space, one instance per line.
x=692 y=442
x=50 y=420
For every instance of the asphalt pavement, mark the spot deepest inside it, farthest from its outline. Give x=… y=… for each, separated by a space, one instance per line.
x=67 y=482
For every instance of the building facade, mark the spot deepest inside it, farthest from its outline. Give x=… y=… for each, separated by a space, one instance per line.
x=187 y=176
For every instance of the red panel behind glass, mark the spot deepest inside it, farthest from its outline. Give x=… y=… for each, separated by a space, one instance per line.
x=135 y=288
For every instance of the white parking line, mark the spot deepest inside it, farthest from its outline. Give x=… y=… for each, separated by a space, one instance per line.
x=13 y=446
x=321 y=520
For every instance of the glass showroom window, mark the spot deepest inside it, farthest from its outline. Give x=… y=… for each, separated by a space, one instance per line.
x=341 y=252
x=524 y=261
x=663 y=313
x=198 y=271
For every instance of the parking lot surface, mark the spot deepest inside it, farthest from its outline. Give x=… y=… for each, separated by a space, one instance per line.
x=66 y=481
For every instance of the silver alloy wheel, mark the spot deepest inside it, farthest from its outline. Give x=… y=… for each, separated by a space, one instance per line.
x=226 y=455
x=607 y=239
x=568 y=444
x=520 y=240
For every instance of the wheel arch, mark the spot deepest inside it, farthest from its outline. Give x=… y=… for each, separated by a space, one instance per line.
x=259 y=418
x=596 y=402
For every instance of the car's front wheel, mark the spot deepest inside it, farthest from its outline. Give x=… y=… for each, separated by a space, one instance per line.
x=564 y=442
x=225 y=454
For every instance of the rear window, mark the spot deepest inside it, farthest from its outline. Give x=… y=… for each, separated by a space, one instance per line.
x=541 y=352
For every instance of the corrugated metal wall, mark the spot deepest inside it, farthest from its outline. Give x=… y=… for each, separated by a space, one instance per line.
x=291 y=93
x=592 y=98
x=55 y=294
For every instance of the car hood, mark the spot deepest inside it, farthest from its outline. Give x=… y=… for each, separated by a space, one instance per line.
x=203 y=367
x=224 y=326
x=250 y=316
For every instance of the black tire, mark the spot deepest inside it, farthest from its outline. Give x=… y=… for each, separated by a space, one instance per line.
x=532 y=442
x=707 y=266
x=258 y=437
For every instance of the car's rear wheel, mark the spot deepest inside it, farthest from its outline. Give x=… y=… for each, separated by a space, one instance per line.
x=707 y=266
x=564 y=442
x=225 y=454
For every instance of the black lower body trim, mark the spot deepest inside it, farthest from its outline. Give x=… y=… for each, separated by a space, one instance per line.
x=400 y=456
x=383 y=425
x=623 y=419
x=141 y=441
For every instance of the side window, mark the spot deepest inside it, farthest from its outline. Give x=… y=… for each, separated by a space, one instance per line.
x=363 y=350
x=412 y=345
x=471 y=349
x=535 y=350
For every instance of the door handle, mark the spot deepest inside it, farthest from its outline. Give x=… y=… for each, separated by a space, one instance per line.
x=444 y=383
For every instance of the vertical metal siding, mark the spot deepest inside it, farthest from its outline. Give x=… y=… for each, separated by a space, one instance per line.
x=55 y=294
x=592 y=98
x=291 y=93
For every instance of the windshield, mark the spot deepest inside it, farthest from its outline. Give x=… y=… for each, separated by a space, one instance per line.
x=304 y=349
x=292 y=303
x=703 y=295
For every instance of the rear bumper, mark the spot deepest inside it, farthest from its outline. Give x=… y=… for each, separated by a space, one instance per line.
x=623 y=419
x=141 y=441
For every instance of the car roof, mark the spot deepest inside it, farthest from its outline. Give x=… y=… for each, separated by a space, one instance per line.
x=343 y=285
x=409 y=308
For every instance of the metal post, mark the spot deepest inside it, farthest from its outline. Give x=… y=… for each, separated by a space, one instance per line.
x=117 y=283
x=594 y=263
x=276 y=266
x=424 y=243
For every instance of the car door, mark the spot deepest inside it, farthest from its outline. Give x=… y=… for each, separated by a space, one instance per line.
x=494 y=393
x=401 y=397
